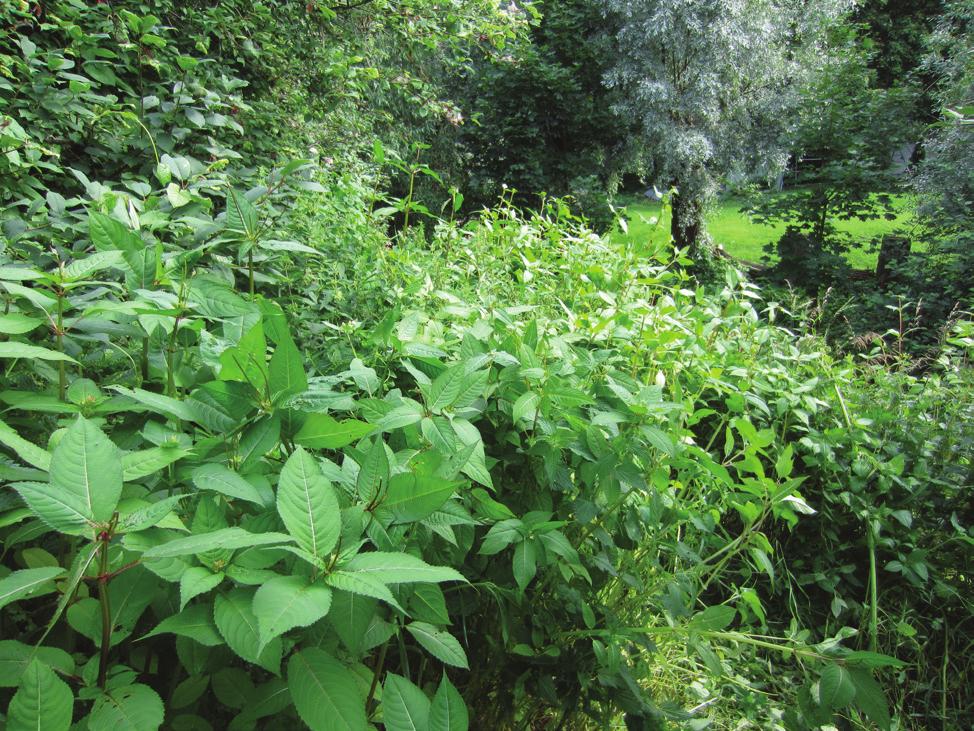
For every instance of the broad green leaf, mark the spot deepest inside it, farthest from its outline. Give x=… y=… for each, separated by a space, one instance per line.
x=713 y=619
x=373 y=472
x=501 y=535
x=321 y=431
x=287 y=376
x=17 y=323
x=439 y=432
x=62 y=511
x=234 y=617
x=218 y=478
x=136 y=465
x=525 y=564
x=28 y=582
x=86 y=466
x=350 y=615
x=399 y=568
x=195 y=581
x=232 y=687
x=84 y=268
x=308 y=505
x=132 y=708
x=108 y=234
x=448 y=712
x=404 y=706
x=286 y=602
x=242 y=217
x=43 y=702
x=446 y=388
x=428 y=604
x=159 y=404
x=525 y=406
x=325 y=694
x=195 y=622
x=404 y=415
x=149 y=515
x=361 y=584
x=33 y=352
x=870 y=698
x=224 y=539
x=471 y=389
x=835 y=688
x=27 y=451
x=260 y=438
x=413 y=497
x=16 y=656
x=439 y=643
x=246 y=360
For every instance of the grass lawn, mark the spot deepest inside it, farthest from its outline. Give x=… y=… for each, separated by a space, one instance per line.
x=745 y=239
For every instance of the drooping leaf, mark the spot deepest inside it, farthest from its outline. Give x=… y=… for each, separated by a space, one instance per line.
x=439 y=643
x=308 y=505
x=195 y=622
x=28 y=582
x=835 y=687
x=325 y=694
x=26 y=450
x=32 y=352
x=42 y=702
x=361 y=584
x=234 y=617
x=525 y=564
x=399 y=568
x=870 y=698
x=132 y=708
x=286 y=602
x=350 y=615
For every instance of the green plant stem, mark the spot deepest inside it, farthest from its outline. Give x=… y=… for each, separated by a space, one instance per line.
x=61 y=371
x=379 y=665
x=873 y=589
x=106 y=615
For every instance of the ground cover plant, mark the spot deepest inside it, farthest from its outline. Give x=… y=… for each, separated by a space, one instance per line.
x=291 y=438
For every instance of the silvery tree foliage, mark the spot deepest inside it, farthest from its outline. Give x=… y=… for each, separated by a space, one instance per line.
x=713 y=85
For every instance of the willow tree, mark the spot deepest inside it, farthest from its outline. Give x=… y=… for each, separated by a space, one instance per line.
x=712 y=85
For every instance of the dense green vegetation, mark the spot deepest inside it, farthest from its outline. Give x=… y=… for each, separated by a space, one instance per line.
x=327 y=401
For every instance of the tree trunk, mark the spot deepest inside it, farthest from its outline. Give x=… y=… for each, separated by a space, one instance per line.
x=687 y=227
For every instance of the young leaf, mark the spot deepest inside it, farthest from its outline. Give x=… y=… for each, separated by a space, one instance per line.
x=448 y=711
x=404 y=706
x=28 y=582
x=235 y=619
x=195 y=622
x=308 y=505
x=195 y=581
x=86 y=467
x=439 y=643
x=132 y=708
x=43 y=702
x=325 y=693
x=399 y=568
x=286 y=602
